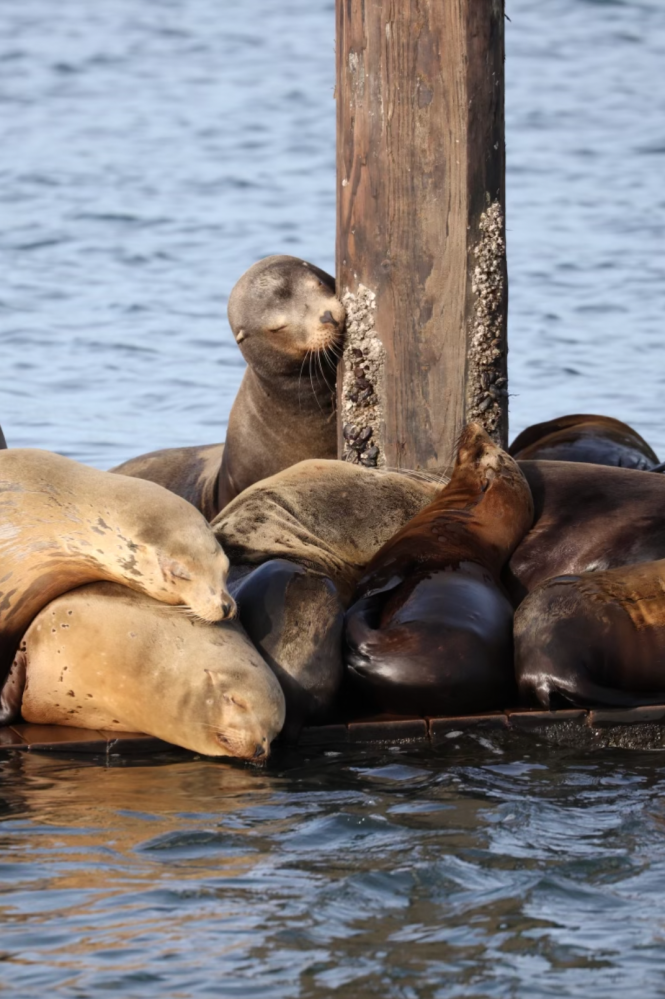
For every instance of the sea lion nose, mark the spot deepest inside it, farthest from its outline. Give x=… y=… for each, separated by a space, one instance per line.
x=228 y=608
x=327 y=319
x=259 y=751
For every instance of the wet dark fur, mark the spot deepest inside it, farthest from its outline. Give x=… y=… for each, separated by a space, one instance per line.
x=586 y=517
x=594 y=640
x=599 y=440
x=432 y=629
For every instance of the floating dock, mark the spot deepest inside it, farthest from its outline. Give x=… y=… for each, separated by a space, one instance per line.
x=634 y=728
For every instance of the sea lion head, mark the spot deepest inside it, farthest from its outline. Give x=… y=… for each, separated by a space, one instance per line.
x=480 y=516
x=284 y=311
x=488 y=483
x=240 y=715
x=166 y=549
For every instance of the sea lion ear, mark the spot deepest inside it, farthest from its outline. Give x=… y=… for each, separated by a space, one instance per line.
x=241 y=336
x=215 y=678
x=172 y=569
x=230 y=699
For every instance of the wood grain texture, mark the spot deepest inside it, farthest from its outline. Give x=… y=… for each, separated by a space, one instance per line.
x=420 y=164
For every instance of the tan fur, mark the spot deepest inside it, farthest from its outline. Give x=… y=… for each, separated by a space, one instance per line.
x=190 y=472
x=63 y=524
x=638 y=589
x=104 y=657
x=330 y=516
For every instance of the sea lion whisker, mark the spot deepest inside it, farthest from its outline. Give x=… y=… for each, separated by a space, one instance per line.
x=323 y=374
x=311 y=380
x=300 y=380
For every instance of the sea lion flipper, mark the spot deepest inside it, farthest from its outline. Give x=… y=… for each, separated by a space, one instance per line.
x=12 y=690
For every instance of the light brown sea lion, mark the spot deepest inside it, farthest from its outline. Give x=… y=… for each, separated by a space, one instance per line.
x=63 y=524
x=190 y=472
x=597 y=639
x=289 y=326
x=105 y=657
x=598 y=440
x=431 y=630
x=328 y=516
x=587 y=517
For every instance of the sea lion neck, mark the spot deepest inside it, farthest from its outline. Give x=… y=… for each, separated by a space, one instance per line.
x=299 y=387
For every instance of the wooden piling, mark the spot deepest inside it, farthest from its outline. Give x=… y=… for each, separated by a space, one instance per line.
x=421 y=261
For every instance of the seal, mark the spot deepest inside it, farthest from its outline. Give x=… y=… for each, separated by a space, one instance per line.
x=595 y=639
x=599 y=440
x=587 y=518
x=289 y=326
x=65 y=524
x=328 y=516
x=431 y=629
x=189 y=472
x=295 y=619
x=106 y=657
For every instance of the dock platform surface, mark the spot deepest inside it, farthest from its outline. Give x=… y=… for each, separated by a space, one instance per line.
x=634 y=728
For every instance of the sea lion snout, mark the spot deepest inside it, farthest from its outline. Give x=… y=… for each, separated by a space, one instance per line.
x=229 y=609
x=215 y=609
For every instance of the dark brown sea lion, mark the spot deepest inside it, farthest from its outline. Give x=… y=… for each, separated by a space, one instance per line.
x=106 y=657
x=295 y=619
x=432 y=629
x=289 y=326
x=587 y=517
x=63 y=524
x=3 y=442
x=597 y=639
x=190 y=472
x=598 y=440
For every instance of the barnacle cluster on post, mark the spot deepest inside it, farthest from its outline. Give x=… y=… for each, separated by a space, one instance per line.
x=487 y=373
x=362 y=386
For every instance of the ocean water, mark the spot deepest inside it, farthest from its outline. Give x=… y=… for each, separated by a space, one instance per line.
x=151 y=152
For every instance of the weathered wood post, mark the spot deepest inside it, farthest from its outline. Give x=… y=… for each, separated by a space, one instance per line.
x=421 y=260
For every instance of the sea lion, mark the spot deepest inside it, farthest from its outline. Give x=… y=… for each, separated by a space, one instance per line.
x=190 y=472
x=431 y=630
x=328 y=516
x=595 y=639
x=332 y=517
x=64 y=524
x=295 y=618
x=599 y=440
x=587 y=517
x=106 y=657
x=289 y=326
x=3 y=442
